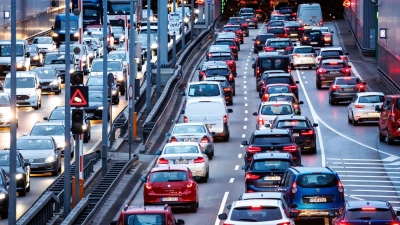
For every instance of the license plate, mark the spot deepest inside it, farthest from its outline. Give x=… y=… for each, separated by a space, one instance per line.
x=20 y=100
x=209 y=125
x=90 y=114
x=190 y=140
x=183 y=161
x=272 y=178
x=295 y=134
x=293 y=34
x=334 y=72
x=44 y=87
x=280 y=50
x=317 y=199
x=348 y=89
x=170 y=199
x=34 y=166
x=373 y=114
x=314 y=43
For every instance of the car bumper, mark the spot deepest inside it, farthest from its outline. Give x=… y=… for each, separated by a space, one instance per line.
x=314 y=43
x=43 y=167
x=318 y=212
x=251 y=188
x=304 y=62
x=220 y=132
x=342 y=96
x=36 y=63
x=50 y=88
x=94 y=114
x=197 y=169
x=28 y=102
x=366 y=115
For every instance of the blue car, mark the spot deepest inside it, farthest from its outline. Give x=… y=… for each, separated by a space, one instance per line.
x=367 y=212
x=313 y=191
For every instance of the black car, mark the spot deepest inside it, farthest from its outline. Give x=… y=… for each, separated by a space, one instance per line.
x=213 y=71
x=95 y=109
x=288 y=12
x=58 y=114
x=313 y=38
x=265 y=171
x=344 y=89
x=260 y=40
x=4 y=180
x=23 y=172
x=270 y=61
x=272 y=140
x=95 y=83
x=261 y=81
x=294 y=29
x=48 y=79
x=328 y=69
x=282 y=78
x=251 y=19
x=35 y=55
x=302 y=129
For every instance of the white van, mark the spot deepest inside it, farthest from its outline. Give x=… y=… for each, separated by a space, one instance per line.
x=211 y=111
x=203 y=89
x=22 y=54
x=310 y=14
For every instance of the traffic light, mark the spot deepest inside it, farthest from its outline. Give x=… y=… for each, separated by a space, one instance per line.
x=77 y=78
x=77 y=121
x=375 y=2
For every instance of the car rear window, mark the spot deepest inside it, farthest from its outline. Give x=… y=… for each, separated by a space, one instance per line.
x=331 y=53
x=270 y=164
x=278 y=89
x=189 y=129
x=351 y=81
x=263 y=38
x=183 y=149
x=231 y=28
x=276 y=30
x=291 y=124
x=313 y=32
x=279 y=43
x=203 y=90
x=319 y=180
x=304 y=50
x=218 y=71
x=224 y=43
x=276 y=24
x=147 y=218
x=220 y=58
x=278 y=18
x=259 y=214
x=269 y=139
x=281 y=98
x=279 y=80
x=278 y=63
x=331 y=65
x=372 y=99
x=370 y=214
x=168 y=176
x=276 y=109
x=286 y=10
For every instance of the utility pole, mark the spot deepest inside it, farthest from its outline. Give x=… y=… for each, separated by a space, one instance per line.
x=158 y=77
x=183 y=22
x=174 y=39
x=192 y=20
x=104 y=136
x=132 y=73
x=148 y=66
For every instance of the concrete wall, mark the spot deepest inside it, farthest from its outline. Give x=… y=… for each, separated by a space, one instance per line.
x=33 y=16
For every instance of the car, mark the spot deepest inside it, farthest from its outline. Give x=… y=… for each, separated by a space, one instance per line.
x=327 y=34
x=23 y=60
x=95 y=46
x=229 y=35
x=193 y=132
x=189 y=154
x=57 y=61
x=153 y=41
x=206 y=64
x=265 y=171
x=275 y=23
x=36 y=57
x=236 y=29
x=244 y=26
x=265 y=212
x=4 y=185
x=95 y=109
x=260 y=40
x=58 y=115
x=216 y=49
x=302 y=129
x=332 y=51
x=121 y=54
x=313 y=38
x=231 y=43
x=329 y=69
x=202 y=89
x=251 y=19
x=85 y=57
x=302 y=56
x=388 y=121
x=45 y=44
x=278 y=31
x=226 y=87
x=294 y=30
x=270 y=61
x=245 y=10
x=174 y=185
x=96 y=83
x=161 y=215
x=289 y=97
x=227 y=58
x=282 y=78
x=289 y=12
x=5 y=110
x=374 y=212
x=344 y=89
x=224 y=71
x=267 y=111
x=313 y=191
x=119 y=34
x=269 y=89
x=110 y=34
x=278 y=44
x=272 y=195
x=278 y=16
x=261 y=80
x=56 y=130
x=362 y=107
x=28 y=90
x=48 y=79
x=271 y=140
x=23 y=171
x=114 y=66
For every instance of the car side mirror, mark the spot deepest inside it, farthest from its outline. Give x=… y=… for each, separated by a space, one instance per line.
x=229 y=110
x=293 y=214
x=378 y=108
x=253 y=39
x=245 y=167
x=255 y=113
x=143 y=179
x=213 y=133
x=51 y=28
x=301 y=102
x=158 y=152
x=297 y=82
x=198 y=68
x=207 y=152
x=347 y=53
x=252 y=65
x=25 y=134
x=182 y=93
x=229 y=206
x=244 y=143
x=168 y=134
x=222 y=216
x=365 y=83
x=45 y=118
x=182 y=111
x=295 y=44
x=28 y=54
x=112 y=34
x=1 y=88
x=180 y=222
x=332 y=32
x=7 y=148
x=315 y=125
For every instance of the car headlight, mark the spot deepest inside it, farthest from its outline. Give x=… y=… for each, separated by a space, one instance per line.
x=20 y=64
x=196 y=11
x=18 y=176
x=84 y=127
x=84 y=58
x=50 y=158
x=120 y=77
x=33 y=93
x=76 y=35
x=113 y=92
x=186 y=20
x=61 y=145
x=100 y=108
x=54 y=35
x=2 y=196
x=71 y=71
x=54 y=82
x=36 y=57
x=51 y=48
x=122 y=37
x=154 y=46
x=90 y=55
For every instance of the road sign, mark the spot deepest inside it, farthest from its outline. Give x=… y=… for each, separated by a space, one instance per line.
x=130 y=91
x=174 y=22
x=79 y=96
x=347 y=3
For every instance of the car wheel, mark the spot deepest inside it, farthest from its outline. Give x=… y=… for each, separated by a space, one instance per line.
x=116 y=102
x=86 y=138
x=381 y=136
x=354 y=121
x=241 y=42
x=40 y=102
x=313 y=150
x=57 y=92
x=210 y=156
x=388 y=140
x=22 y=192
x=331 y=102
x=193 y=207
x=256 y=27
x=55 y=172
x=291 y=66
x=234 y=91
x=4 y=215
x=122 y=91
x=37 y=106
x=297 y=162
x=255 y=51
x=28 y=189
x=317 y=85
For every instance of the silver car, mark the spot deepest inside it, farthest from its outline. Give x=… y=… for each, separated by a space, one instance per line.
x=48 y=79
x=303 y=56
x=45 y=44
x=193 y=132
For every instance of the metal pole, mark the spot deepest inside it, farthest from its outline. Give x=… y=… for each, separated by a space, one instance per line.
x=158 y=78
x=132 y=70
x=67 y=148
x=148 y=66
x=77 y=159
x=183 y=22
x=192 y=20
x=174 y=39
x=104 y=136
x=12 y=217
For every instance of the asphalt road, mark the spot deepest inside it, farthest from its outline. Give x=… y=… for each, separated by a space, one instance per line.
x=368 y=169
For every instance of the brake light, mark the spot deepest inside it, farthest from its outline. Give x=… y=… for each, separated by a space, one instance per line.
x=254 y=19
x=323 y=38
x=257 y=71
x=285 y=223
x=359 y=106
x=225 y=119
x=346 y=70
x=287 y=28
x=368 y=209
x=255 y=207
x=290 y=148
x=173 y=139
x=360 y=87
x=294 y=189
x=233 y=47
x=289 y=69
x=236 y=40
x=296 y=56
x=328 y=35
x=231 y=77
x=310 y=132
x=293 y=86
x=202 y=72
x=342 y=57
x=199 y=160
x=229 y=62
x=340 y=187
x=189 y=185
x=333 y=63
x=343 y=223
x=209 y=54
x=300 y=28
x=265 y=97
x=204 y=140
x=162 y=161
x=334 y=87
x=294 y=14
x=260 y=121
x=288 y=48
x=321 y=71
x=305 y=38
x=243 y=24
x=227 y=89
x=148 y=186
x=250 y=176
x=185 y=119
x=269 y=49
x=253 y=149
x=240 y=32
x=257 y=42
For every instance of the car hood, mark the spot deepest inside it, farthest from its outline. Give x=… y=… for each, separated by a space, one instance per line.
x=7 y=169
x=57 y=66
x=36 y=154
x=21 y=91
x=59 y=139
x=116 y=73
x=7 y=60
x=46 y=80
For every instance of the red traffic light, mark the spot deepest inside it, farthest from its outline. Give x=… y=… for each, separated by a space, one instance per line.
x=347 y=3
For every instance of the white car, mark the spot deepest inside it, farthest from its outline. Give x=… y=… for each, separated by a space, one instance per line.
x=186 y=153
x=29 y=92
x=362 y=107
x=5 y=110
x=268 y=111
x=45 y=44
x=327 y=34
x=258 y=211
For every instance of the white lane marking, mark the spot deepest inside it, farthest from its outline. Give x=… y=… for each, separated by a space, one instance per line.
x=245 y=103
x=354 y=70
x=304 y=77
x=375 y=191
x=247 y=64
x=94 y=146
x=245 y=71
x=248 y=60
x=244 y=81
x=306 y=82
x=244 y=127
x=390 y=158
x=246 y=111
x=244 y=86
x=243 y=135
x=315 y=118
x=352 y=171
x=244 y=77
x=221 y=208
x=249 y=56
x=237 y=167
x=245 y=68
x=375 y=196
x=373 y=181
x=231 y=180
x=245 y=119
x=245 y=98
x=353 y=197
x=363 y=167
x=358 y=176
x=240 y=156
x=371 y=186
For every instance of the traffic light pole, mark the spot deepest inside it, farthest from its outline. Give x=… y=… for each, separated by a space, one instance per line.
x=132 y=72
x=104 y=136
x=77 y=166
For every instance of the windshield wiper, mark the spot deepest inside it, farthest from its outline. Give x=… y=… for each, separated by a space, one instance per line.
x=364 y=218
x=174 y=180
x=248 y=219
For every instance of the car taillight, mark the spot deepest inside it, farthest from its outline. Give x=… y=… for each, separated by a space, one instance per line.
x=319 y=59
x=360 y=87
x=323 y=38
x=231 y=77
x=233 y=47
x=290 y=148
x=289 y=69
x=343 y=223
x=148 y=186
x=346 y=70
x=202 y=72
x=236 y=40
x=199 y=160
x=227 y=223
x=294 y=14
x=257 y=71
x=230 y=62
x=240 y=32
x=328 y=35
x=321 y=21
x=162 y=161
x=321 y=71
x=288 y=48
x=243 y=24
x=293 y=86
x=300 y=28
x=258 y=42
x=227 y=89
x=310 y=132
x=250 y=176
x=296 y=56
x=204 y=140
x=342 y=57
x=294 y=189
x=287 y=28
x=173 y=139
x=340 y=187
x=305 y=38
x=265 y=97
x=359 y=106
x=225 y=119
x=185 y=119
x=209 y=54
x=253 y=149
x=260 y=121
x=285 y=223
x=269 y=49
x=190 y=185
x=335 y=87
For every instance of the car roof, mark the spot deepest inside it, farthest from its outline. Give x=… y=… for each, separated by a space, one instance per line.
x=279 y=84
x=333 y=60
x=279 y=39
x=279 y=94
x=218 y=67
x=274 y=155
x=256 y=202
x=274 y=71
x=261 y=195
x=108 y=60
x=188 y=124
x=367 y=204
x=221 y=54
x=181 y=144
x=224 y=39
x=276 y=102
x=271 y=55
x=302 y=46
x=23 y=74
x=219 y=78
x=203 y=82
x=346 y=78
x=279 y=75
x=206 y=99
x=271 y=131
x=170 y=167
x=312 y=169
x=331 y=49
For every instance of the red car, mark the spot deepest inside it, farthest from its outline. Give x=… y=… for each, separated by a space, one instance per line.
x=172 y=185
x=236 y=29
x=161 y=215
x=266 y=90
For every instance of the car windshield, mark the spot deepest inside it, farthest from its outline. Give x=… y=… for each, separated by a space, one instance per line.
x=276 y=30
x=39 y=40
x=97 y=35
x=5 y=161
x=168 y=176
x=284 y=98
x=120 y=55
x=224 y=43
x=220 y=58
x=95 y=96
x=183 y=149
x=34 y=144
x=279 y=43
x=95 y=81
x=117 y=30
x=146 y=218
x=372 y=99
x=333 y=65
x=48 y=130
x=44 y=73
x=23 y=82
x=60 y=25
x=5 y=50
x=231 y=28
x=88 y=12
x=57 y=115
x=97 y=66
x=292 y=124
x=304 y=50
x=203 y=90
x=247 y=15
x=317 y=180
x=32 y=49
x=56 y=59
x=259 y=214
x=270 y=164
x=313 y=32
x=271 y=139
x=189 y=129
x=369 y=214
x=278 y=89
x=276 y=109
x=277 y=18
x=263 y=38
x=279 y=80
x=4 y=101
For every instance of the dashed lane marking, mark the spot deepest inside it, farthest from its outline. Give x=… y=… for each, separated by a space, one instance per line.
x=237 y=167
x=231 y=180
x=222 y=206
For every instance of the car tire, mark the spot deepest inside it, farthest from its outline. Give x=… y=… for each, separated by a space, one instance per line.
x=318 y=86
x=140 y=68
x=122 y=90
x=255 y=51
x=234 y=91
x=381 y=136
x=388 y=140
x=86 y=138
x=230 y=102
x=22 y=192
x=241 y=42
x=313 y=150
x=58 y=92
x=348 y=118
x=331 y=101
x=292 y=66
x=210 y=156
x=28 y=189
x=55 y=172
x=116 y=102
x=4 y=215
x=193 y=207
x=37 y=106
x=256 y=27
x=354 y=121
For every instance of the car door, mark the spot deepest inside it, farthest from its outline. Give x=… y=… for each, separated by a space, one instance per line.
x=384 y=121
x=26 y=168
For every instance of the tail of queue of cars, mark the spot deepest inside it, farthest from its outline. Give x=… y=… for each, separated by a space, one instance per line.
x=389 y=121
x=270 y=61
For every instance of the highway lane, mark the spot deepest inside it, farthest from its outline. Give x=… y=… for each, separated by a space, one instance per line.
x=368 y=168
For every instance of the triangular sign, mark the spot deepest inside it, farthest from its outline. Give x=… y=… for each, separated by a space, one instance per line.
x=77 y=99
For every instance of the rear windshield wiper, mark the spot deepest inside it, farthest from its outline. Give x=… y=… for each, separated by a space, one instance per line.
x=174 y=180
x=248 y=219
x=364 y=218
